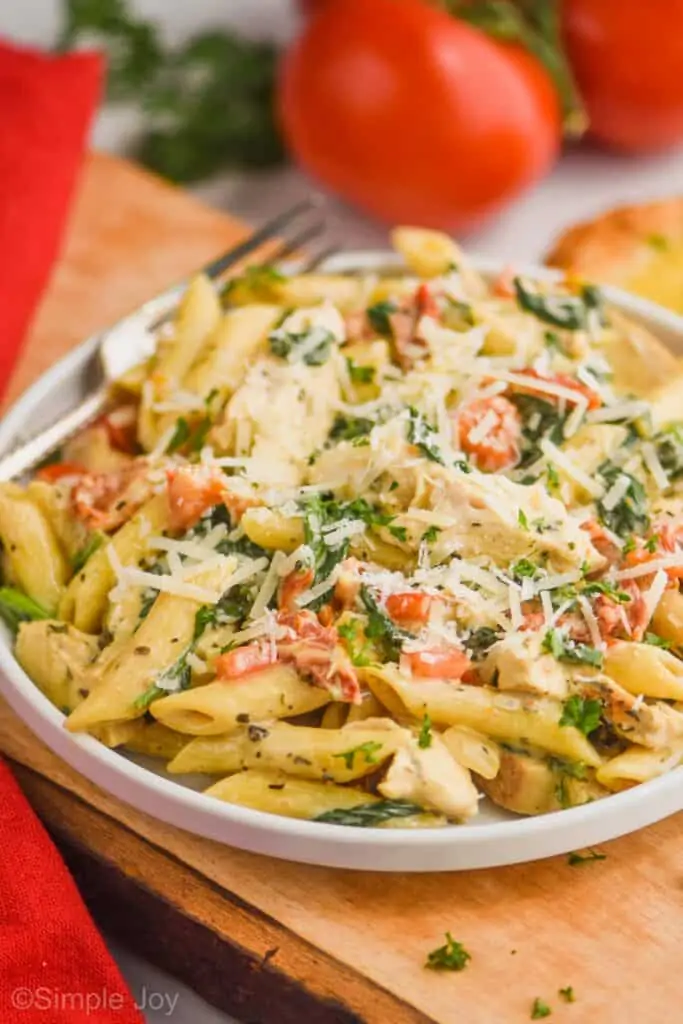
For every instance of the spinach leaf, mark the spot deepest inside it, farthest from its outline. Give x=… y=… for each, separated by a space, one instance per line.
x=369 y=815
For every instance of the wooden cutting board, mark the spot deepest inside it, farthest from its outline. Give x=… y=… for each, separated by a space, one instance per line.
x=273 y=942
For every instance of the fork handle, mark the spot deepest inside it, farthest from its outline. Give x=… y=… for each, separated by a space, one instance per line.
x=29 y=454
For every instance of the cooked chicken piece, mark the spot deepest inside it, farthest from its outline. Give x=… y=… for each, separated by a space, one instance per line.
x=431 y=778
x=529 y=785
x=650 y=725
x=517 y=662
x=494 y=516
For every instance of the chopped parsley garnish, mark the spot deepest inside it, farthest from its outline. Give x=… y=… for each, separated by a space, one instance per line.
x=431 y=534
x=608 y=589
x=651 y=544
x=359 y=652
x=480 y=640
x=657 y=641
x=399 y=532
x=567 y=994
x=584 y=714
x=360 y=374
x=380 y=627
x=569 y=312
x=669 y=448
x=564 y=771
x=539 y=1009
x=315 y=343
x=540 y=419
x=348 y=428
x=378 y=316
x=575 y=859
x=93 y=544
x=522 y=519
x=425 y=738
x=369 y=815
x=452 y=956
x=630 y=514
x=151 y=694
x=180 y=436
x=367 y=750
x=524 y=568
x=258 y=278
x=562 y=648
x=423 y=436
x=16 y=608
x=552 y=477
x=192 y=436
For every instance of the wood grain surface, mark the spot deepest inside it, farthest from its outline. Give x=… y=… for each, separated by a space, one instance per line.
x=350 y=946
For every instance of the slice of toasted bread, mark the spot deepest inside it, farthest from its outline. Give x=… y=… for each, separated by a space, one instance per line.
x=639 y=248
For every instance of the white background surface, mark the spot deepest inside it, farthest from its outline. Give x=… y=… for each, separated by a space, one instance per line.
x=582 y=184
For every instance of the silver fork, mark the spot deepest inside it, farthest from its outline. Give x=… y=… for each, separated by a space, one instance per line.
x=132 y=339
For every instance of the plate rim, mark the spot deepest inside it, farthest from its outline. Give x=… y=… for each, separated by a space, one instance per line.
x=457 y=847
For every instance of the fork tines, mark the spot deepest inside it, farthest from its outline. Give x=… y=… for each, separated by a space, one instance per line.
x=270 y=231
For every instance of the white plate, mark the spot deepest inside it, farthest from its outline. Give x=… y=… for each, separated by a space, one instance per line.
x=496 y=838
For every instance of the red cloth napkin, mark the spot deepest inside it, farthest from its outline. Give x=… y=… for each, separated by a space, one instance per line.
x=46 y=106
x=54 y=967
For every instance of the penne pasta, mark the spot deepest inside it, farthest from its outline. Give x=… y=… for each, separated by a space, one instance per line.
x=397 y=541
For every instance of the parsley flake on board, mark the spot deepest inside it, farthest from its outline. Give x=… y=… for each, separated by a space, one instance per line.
x=369 y=815
x=562 y=648
x=583 y=714
x=576 y=859
x=452 y=956
x=539 y=1009
x=367 y=750
x=567 y=994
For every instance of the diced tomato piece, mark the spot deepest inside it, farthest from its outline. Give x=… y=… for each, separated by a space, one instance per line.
x=58 y=470
x=411 y=606
x=121 y=428
x=190 y=495
x=499 y=448
x=317 y=655
x=438 y=663
x=244 y=660
x=425 y=302
x=294 y=585
x=503 y=287
x=104 y=501
x=563 y=380
x=600 y=541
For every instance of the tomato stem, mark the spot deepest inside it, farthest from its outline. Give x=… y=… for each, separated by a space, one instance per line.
x=535 y=24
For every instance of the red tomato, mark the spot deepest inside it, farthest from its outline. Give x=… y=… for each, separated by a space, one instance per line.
x=438 y=663
x=414 y=115
x=499 y=449
x=409 y=607
x=190 y=495
x=57 y=470
x=242 y=661
x=627 y=56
